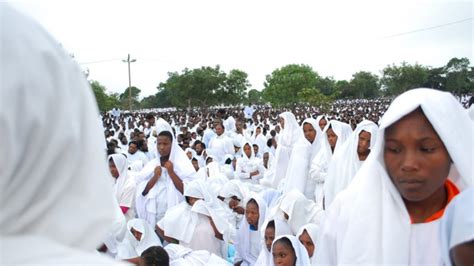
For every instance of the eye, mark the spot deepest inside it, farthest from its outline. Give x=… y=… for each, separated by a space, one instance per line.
x=428 y=149
x=392 y=149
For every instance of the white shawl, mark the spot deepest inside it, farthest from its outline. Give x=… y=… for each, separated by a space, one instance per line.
x=300 y=251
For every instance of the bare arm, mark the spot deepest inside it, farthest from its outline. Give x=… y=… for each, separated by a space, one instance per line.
x=217 y=234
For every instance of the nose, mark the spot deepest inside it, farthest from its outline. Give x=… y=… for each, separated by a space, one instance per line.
x=410 y=162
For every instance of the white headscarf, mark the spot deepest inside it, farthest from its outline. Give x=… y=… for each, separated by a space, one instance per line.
x=372 y=201
x=265 y=257
x=131 y=247
x=242 y=243
x=313 y=232
x=345 y=162
x=457 y=224
x=48 y=207
x=300 y=251
x=125 y=186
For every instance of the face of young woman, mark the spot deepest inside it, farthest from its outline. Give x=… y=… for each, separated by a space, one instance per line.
x=309 y=132
x=269 y=237
x=136 y=234
x=164 y=146
x=322 y=123
x=305 y=239
x=415 y=157
x=332 y=138
x=252 y=214
x=113 y=169
x=364 y=142
x=248 y=150
x=283 y=255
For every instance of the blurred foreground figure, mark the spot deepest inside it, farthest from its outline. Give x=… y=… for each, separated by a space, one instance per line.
x=57 y=205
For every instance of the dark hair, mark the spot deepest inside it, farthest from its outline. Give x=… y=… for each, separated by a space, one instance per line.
x=200 y=142
x=155 y=256
x=149 y=116
x=166 y=134
x=285 y=242
x=252 y=201
x=194 y=159
x=269 y=143
x=271 y=224
x=133 y=142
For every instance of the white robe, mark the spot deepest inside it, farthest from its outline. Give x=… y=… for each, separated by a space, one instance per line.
x=220 y=146
x=131 y=247
x=58 y=203
x=300 y=251
x=372 y=202
x=246 y=165
x=125 y=186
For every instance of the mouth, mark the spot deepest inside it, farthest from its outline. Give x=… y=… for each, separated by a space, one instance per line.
x=411 y=183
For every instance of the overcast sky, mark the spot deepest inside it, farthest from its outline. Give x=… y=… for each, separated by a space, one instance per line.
x=336 y=38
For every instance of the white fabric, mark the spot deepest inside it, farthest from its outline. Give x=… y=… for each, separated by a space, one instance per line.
x=220 y=146
x=313 y=232
x=457 y=224
x=57 y=201
x=320 y=164
x=246 y=165
x=300 y=251
x=345 y=162
x=116 y=232
x=244 y=246
x=303 y=153
x=281 y=228
x=299 y=209
x=125 y=186
x=183 y=256
x=372 y=201
x=288 y=137
x=131 y=247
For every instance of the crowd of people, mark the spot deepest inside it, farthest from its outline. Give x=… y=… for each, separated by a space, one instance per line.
x=384 y=181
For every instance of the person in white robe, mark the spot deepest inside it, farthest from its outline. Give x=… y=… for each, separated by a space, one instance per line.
x=52 y=213
x=220 y=145
x=272 y=229
x=198 y=222
x=289 y=135
x=297 y=210
x=303 y=153
x=259 y=139
x=124 y=185
x=158 y=189
x=139 y=236
x=339 y=133
x=347 y=160
x=457 y=230
x=134 y=154
x=289 y=251
x=183 y=256
x=248 y=241
x=369 y=222
x=308 y=235
x=249 y=168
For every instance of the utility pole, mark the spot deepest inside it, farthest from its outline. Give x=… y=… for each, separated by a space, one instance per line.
x=128 y=61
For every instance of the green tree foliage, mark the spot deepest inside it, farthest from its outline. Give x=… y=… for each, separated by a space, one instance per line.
x=398 y=79
x=105 y=102
x=284 y=84
x=459 y=76
x=315 y=97
x=235 y=86
x=254 y=97
x=362 y=85
x=124 y=98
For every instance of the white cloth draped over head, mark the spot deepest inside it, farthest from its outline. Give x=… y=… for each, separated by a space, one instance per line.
x=372 y=201
x=345 y=162
x=183 y=256
x=297 y=175
x=300 y=251
x=287 y=138
x=234 y=188
x=299 y=209
x=51 y=212
x=125 y=186
x=131 y=247
x=281 y=228
x=243 y=242
x=457 y=224
x=313 y=232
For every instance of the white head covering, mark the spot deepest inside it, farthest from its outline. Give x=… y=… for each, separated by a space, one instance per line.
x=281 y=228
x=242 y=244
x=341 y=129
x=457 y=224
x=300 y=251
x=313 y=232
x=299 y=209
x=45 y=209
x=345 y=162
x=123 y=181
x=372 y=199
x=131 y=247
x=292 y=131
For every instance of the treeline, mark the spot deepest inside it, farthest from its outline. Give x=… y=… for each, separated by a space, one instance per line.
x=290 y=84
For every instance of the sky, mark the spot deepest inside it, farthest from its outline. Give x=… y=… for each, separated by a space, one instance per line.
x=335 y=38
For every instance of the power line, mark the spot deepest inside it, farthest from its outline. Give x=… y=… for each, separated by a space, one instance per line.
x=99 y=61
x=425 y=29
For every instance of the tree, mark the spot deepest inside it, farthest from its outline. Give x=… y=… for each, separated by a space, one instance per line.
x=284 y=84
x=364 y=85
x=104 y=102
x=398 y=79
x=124 y=98
x=235 y=86
x=316 y=98
x=459 y=78
x=255 y=97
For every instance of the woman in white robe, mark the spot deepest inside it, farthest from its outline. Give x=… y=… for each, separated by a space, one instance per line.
x=248 y=241
x=52 y=213
x=289 y=135
x=369 y=222
x=303 y=153
x=198 y=222
x=346 y=161
x=299 y=253
x=457 y=230
x=125 y=186
x=249 y=168
x=320 y=164
x=272 y=229
x=140 y=236
x=308 y=235
x=259 y=139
